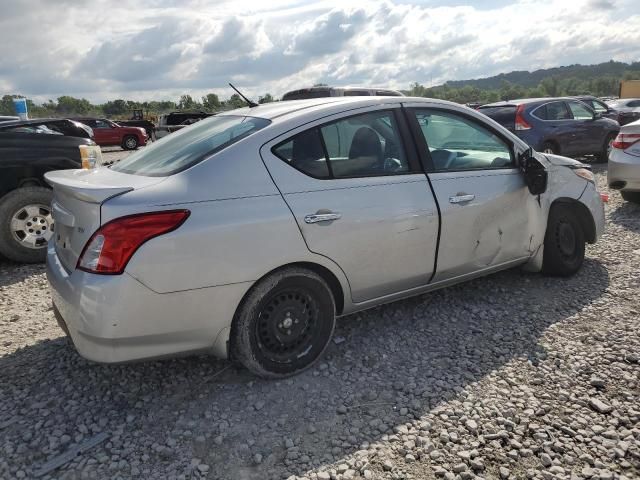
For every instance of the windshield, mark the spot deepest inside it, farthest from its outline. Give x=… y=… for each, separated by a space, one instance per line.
x=191 y=145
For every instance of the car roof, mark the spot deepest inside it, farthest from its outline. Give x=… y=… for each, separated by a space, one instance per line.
x=525 y=101
x=287 y=108
x=33 y=121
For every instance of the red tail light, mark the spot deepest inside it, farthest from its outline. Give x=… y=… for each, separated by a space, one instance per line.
x=521 y=123
x=625 y=140
x=111 y=247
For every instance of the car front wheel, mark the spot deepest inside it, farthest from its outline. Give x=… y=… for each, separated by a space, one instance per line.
x=130 y=143
x=564 y=243
x=284 y=324
x=26 y=224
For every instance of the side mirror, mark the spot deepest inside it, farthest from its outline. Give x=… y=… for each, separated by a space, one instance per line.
x=535 y=175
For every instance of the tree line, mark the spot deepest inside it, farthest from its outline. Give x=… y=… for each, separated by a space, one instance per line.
x=122 y=109
x=550 y=86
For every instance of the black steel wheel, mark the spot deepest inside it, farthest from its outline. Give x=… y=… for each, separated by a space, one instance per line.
x=564 y=242
x=284 y=324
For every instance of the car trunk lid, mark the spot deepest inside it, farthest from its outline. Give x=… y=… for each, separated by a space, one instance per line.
x=78 y=196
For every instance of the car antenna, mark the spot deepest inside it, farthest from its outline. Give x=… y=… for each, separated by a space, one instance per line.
x=250 y=102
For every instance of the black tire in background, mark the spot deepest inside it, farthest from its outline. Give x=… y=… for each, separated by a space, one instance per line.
x=633 y=197
x=10 y=205
x=550 y=147
x=284 y=324
x=130 y=142
x=603 y=156
x=564 y=242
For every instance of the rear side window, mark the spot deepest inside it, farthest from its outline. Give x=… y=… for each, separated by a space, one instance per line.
x=552 y=111
x=360 y=146
x=191 y=145
x=504 y=115
x=634 y=103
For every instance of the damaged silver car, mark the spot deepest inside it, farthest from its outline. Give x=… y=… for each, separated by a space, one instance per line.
x=248 y=233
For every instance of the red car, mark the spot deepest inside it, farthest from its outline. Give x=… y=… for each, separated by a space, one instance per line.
x=107 y=133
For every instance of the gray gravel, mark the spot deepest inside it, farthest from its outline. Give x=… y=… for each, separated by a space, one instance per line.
x=512 y=376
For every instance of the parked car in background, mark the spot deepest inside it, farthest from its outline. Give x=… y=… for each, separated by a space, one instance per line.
x=628 y=109
x=325 y=91
x=107 y=133
x=138 y=119
x=624 y=162
x=27 y=152
x=4 y=118
x=247 y=233
x=598 y=106
x=171 y=122
x=556 y=125
x=59 y=126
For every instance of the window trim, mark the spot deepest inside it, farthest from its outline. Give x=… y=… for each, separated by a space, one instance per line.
x=423 y=147
x=532 y=113
x=401 y=127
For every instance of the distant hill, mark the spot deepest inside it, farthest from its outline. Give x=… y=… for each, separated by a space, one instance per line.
x=533 y=79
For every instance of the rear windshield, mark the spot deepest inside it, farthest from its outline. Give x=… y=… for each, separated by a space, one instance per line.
x=505 y=115
x=182 y=149
x=305 y=94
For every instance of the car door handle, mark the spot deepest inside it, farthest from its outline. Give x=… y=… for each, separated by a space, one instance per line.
x=321 y=217
x=461 y=198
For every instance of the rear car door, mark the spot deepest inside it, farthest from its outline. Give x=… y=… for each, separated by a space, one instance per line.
x=557 y=125
x=360 y=198
x=484 y=202
x=588 y=132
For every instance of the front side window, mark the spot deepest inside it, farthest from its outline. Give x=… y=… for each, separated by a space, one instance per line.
x=191 y=145
x=364 y=145
x=634 y=103
x=580 y=111
x=102 y=124
x=459 y=143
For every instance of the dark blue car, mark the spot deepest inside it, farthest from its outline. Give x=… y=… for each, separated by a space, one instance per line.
x=564 y=126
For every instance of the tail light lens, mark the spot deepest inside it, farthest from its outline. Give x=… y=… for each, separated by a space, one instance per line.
x=625 y=140
x=521 y=123
x=111 y=247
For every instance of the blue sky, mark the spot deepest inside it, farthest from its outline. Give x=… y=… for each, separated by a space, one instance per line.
x=160 y=49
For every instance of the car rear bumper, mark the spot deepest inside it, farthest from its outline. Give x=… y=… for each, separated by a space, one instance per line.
x=115 y=318
x=623 y=171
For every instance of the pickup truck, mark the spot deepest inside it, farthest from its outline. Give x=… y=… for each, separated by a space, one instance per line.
x=28 y=150
x=108 y=133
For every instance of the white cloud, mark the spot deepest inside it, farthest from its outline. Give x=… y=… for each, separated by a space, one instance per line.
x=163 y=48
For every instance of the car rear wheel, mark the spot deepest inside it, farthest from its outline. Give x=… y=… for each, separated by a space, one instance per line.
x=284 y=324
x=633 y=197
x=550 y=147
x=26 y=224
x=603 y=156
x=564 y=243
x=130 y=142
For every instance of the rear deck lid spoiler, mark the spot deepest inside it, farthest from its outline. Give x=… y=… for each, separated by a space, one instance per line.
x=97 y=185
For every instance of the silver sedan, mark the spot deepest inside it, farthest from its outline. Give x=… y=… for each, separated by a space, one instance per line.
x=624 y=162
x=248 y=233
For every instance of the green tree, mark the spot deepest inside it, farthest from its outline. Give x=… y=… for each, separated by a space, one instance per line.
x=73 y=106
x=187 y=103
x=211 y=102
x=266 y=98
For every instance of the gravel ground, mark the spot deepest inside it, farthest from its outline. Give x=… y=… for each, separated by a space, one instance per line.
x=511 y=376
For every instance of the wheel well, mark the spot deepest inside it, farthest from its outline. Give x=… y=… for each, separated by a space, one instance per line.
x=582 y=214
x=30 y=182
x=556 y=145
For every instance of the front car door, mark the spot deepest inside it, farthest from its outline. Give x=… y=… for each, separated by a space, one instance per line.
x=588 y=131
x=360 y=198
x=484 y=203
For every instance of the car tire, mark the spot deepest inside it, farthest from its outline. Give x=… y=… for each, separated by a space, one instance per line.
x=130 y=142
x=550 y=147
x=564 y=243
x=603 y=155
x=23 y=239
x=633 y=197
x=284 y=324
